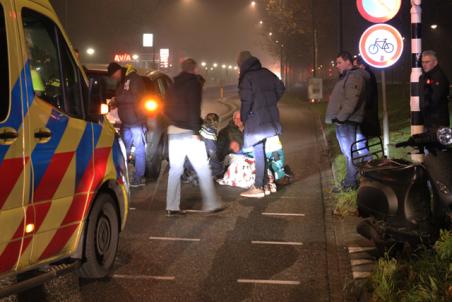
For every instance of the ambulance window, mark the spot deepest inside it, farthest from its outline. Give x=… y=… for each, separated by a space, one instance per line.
x=72 y=86
x=42 y=49
x=4 y=69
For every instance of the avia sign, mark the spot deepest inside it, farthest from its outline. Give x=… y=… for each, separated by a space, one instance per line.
x=378 y=11
x=381 y=45
x=124 y=57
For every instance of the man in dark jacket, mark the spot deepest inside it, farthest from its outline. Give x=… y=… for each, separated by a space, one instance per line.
x=183 y=109
x=434 y=90
x=260 y=91
x=233 y=132
x=370 y=126
x=129 y=97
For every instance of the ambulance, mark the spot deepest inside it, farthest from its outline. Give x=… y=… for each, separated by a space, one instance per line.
x=63 y=175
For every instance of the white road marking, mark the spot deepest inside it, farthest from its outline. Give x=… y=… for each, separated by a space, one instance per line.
x=358 y=262
x=194 y=211
x=276 y=242
x=175 y=239
x=284 y=214
x=359 y=249
x=278 y=282
x=361 y=275
x=144 y=277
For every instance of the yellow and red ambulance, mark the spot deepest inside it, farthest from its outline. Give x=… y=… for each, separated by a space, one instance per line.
x=63 y=175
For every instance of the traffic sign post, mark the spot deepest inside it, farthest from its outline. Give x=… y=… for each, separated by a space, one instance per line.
x=381 y=45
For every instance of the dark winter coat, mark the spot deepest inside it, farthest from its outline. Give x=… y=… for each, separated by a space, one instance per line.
x=434 y=91
x=260 y=91
x=129 y=97
x=183 y=105
x=370 y=126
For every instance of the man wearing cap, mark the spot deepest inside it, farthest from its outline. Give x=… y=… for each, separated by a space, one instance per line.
x=130 y=92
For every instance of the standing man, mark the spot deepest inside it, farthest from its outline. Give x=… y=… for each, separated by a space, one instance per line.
x=346 y=109
x=130 y=93
x=183 y=109
x=370 y=126
x=434 y=90
x=260 y=91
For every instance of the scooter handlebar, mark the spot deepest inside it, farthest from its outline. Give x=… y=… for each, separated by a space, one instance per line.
x=418 y=140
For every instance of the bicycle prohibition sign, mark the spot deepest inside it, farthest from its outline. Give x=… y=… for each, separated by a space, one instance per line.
x=381 y=44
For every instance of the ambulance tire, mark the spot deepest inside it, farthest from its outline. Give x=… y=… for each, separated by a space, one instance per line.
x=101 y=238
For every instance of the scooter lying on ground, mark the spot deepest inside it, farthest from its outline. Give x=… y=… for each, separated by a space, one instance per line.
x=405 y=203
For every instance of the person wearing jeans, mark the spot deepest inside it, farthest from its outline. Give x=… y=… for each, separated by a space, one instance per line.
x=260 y=90
x=346 y=110
x=135 y=136
x=183 y=110
x=186 y=145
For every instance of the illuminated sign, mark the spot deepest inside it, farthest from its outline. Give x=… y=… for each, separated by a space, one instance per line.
x=164 y=57
x=148 y=40
x=378 y=11
x=124 y=57
x=381 y=45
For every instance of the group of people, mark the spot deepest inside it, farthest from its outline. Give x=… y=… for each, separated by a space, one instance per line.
x=195 y=146
x=353 y=106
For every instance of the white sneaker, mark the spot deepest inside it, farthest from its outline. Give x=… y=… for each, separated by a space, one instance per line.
x=272 y=187
x=267 y=190
x=253 y=192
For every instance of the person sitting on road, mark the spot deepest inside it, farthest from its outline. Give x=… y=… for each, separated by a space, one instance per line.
x=232 y=132
x=208 y=134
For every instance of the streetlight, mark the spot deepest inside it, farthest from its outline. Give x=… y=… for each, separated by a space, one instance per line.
x=203 y=64
x=90 y=51
x=253 y=3
x=135 y=57
x=434 y=26
x=270 y=34
x=230 y=67
x=215 y=65
x=223 y=66
x=261 y=22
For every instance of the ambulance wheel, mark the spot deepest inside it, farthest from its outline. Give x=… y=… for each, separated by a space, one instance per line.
x=101 y=238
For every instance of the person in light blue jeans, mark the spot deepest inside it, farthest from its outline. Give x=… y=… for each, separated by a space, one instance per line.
x=187 y=145
x=136 y=136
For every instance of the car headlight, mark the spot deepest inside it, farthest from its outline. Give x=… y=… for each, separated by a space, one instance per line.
x=444 y=136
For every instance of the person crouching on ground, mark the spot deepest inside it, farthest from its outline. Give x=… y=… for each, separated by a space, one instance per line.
x=183 y=109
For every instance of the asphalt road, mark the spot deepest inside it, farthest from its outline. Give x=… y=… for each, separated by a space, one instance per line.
x=273 y=249
x=279 y=248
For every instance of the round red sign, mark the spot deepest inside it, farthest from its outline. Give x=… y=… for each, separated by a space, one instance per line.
x=381 y=45
x=378 y=11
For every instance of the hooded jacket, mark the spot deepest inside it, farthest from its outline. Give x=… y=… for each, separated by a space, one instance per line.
x=129 y=96
x=434 y=87
x=348 y=97
x=183 y=106
x=260 y=90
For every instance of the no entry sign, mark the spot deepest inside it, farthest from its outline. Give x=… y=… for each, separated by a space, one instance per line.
x=381 y=45
x=378 y=11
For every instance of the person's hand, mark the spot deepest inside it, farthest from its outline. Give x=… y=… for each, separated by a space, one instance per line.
x=196 y=137
x=234 y=146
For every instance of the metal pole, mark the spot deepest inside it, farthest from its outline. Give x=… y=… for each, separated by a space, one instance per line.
x=385 y=114
x=417 y=123
x=340 y=26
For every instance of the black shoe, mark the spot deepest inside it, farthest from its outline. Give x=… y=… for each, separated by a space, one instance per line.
x=171 y=213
